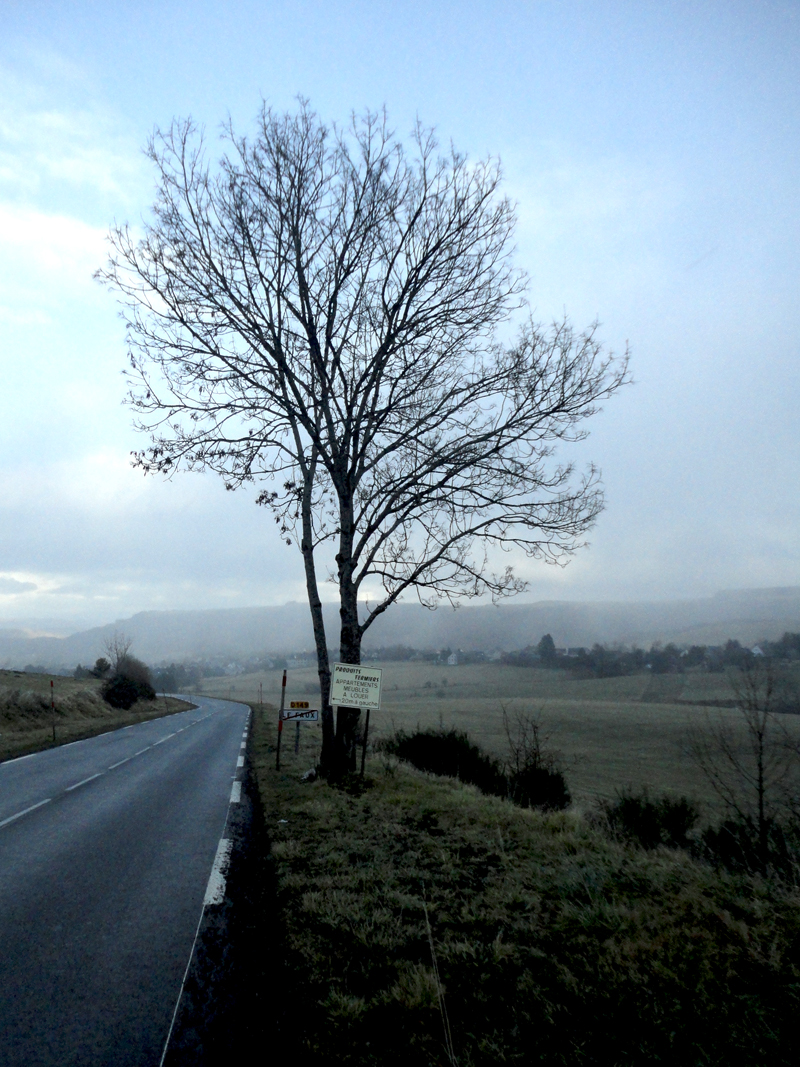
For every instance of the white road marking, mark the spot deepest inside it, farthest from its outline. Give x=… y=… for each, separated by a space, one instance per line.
x=240 y=761
x=141 y=750
x=91 y=778
x=242 y=746
x=19 y=814
x=16 y=759
x=236 y=792
x=119 y=764
x=215 y=890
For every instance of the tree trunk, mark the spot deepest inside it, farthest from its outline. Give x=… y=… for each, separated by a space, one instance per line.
x=318 y=623
x=347 y=718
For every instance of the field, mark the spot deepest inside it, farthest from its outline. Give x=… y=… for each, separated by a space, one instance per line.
x=611 y=732
x=27 y=723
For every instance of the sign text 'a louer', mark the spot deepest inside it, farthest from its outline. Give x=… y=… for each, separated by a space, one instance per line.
x=356 y=686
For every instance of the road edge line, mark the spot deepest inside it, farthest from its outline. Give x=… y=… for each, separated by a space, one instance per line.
x=19 y=814
x=197 y=931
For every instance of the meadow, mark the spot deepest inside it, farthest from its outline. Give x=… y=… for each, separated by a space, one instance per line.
x=611 y=733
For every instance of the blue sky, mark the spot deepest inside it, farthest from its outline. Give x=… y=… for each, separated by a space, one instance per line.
x=653 y=152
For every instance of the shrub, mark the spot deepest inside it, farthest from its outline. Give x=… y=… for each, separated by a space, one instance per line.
x=120 y=692
x=534 y=781
x=540 y=787
x=735 y=845
x=130 y=682
x=535 y=777
x=650 y=821
x=450 y=753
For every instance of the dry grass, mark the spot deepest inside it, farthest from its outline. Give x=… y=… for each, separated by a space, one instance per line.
x=612 y=732
x=27 y=722
x=547 y=942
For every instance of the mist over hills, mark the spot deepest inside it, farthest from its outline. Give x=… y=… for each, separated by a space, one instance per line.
x=749 y=615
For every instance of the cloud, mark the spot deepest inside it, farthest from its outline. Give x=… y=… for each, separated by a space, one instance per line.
x=62 y=148
x=39 y=242
x=12 y=587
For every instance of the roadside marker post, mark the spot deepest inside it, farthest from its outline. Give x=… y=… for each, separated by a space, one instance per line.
x=53 y=707
x=280 y=723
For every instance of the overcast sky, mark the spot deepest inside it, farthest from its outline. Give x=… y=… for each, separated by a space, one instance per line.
x=653 y=150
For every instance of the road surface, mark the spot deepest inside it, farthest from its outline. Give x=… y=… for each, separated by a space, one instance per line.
x=109 y=850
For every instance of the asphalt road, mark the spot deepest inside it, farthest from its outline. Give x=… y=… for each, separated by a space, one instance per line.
x=110 y=849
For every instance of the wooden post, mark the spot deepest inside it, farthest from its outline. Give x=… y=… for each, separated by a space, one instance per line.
x=53 y=708
x=364 y=749
x=297 y=737
x=280 y=724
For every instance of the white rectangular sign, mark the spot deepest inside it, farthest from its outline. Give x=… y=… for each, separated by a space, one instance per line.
x=295 y=715
x=356 y=686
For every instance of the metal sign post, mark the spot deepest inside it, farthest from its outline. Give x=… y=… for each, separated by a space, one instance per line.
x=280 y=724
x=357 y=687
x=364 y=749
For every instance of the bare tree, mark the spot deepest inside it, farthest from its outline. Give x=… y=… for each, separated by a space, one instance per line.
x=117 y=648
x=319 y=310
x=751 y=764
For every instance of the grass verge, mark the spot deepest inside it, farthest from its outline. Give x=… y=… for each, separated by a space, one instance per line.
x=26 y=721
x=425 y=923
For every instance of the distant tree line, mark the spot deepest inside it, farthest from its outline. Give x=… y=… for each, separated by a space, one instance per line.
x=599 y=661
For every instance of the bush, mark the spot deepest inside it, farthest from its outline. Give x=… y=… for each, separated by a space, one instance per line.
x=131 y=681
x=535 y=777
x=734 y=845
x=535 y=782
x=120 y=692
x=650 y=821
x=539 y=787
x=450 y=753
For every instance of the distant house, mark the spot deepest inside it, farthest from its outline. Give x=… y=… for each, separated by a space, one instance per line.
x=295 y=663
x=452 y=659
x=757 y=651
